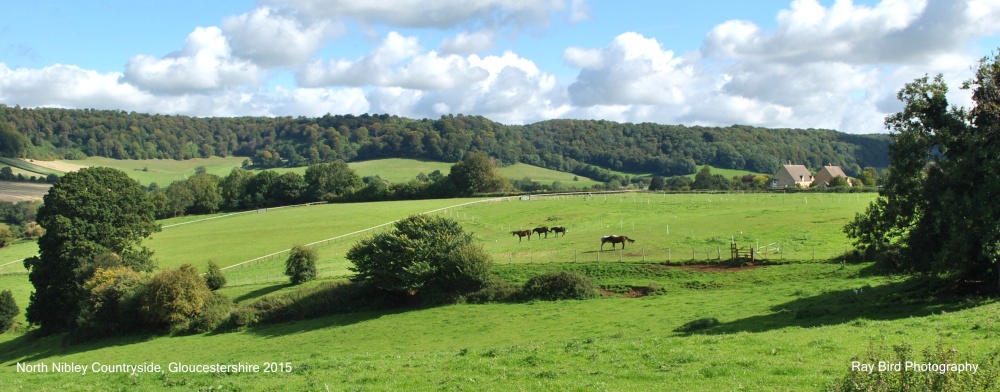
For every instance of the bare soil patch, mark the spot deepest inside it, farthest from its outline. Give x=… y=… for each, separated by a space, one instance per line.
x=13 y=191
x=58 y=165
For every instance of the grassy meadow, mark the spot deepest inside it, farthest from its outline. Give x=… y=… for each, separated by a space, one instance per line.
x=395 y=170
x=793 y=324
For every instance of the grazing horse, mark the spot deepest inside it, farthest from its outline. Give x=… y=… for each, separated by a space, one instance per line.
x=557 y=230
x=541 y=230
x=521 y=233
x=615 y=239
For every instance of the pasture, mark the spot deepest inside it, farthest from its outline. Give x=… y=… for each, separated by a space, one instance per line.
x=793 y=325
x=395 y=170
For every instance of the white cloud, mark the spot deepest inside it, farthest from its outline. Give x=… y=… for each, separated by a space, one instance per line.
x=632 y=69
x=203 y=64
x=67 y=86
x=269 y=38
x=466 y=43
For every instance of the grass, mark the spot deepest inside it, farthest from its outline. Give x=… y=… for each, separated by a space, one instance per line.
x=163 y=171
x=395 y=170
x=27 y=166
x=758 y=344
x=545 y=176
x=791 y=326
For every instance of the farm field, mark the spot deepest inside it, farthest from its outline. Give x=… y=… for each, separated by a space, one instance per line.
x=794 y=325
x=14 y=191
x=395 y=170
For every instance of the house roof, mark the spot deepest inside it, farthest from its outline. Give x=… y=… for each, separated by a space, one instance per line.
x=834 y=171
x=798 y=171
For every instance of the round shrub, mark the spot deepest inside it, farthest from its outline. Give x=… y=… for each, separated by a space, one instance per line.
x=214 y=276
x=554 y=286
x=110 y=302
x=301 y=264
x=8 y=309
x=174 y=298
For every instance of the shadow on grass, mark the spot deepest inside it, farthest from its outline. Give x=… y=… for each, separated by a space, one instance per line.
x=261 y=292
x=914 y=297
x=33 y=347
x=328 y=321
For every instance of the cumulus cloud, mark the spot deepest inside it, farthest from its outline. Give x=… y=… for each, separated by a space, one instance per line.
x=469 y=42
x=205 y=63
x=269 y=38
x=632 y=69
x=892 y=31
x=67 y=86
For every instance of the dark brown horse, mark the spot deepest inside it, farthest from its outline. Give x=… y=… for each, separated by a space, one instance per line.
x=541 y=230
x=615 y=239
x=557 y=230
x=521 y=233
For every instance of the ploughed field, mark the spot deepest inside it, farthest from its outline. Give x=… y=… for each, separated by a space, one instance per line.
x=673 y=317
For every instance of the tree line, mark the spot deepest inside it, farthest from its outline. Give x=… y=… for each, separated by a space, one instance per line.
x=243 y=189
x=585 y=147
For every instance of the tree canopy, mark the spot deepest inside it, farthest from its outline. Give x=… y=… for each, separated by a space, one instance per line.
x=425 y=254
x=91 y=212
x=936 y=210
x=582 y=147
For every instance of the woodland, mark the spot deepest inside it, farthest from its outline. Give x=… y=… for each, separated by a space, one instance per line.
x=591 y=148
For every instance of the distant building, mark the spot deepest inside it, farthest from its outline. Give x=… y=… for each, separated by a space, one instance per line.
x=790 y=176
x=828 y=173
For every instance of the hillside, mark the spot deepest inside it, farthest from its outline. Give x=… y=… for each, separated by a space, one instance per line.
x=583 y=147
x=795 y=324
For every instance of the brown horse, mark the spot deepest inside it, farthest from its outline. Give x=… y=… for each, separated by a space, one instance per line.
x=521 y=233
x=557 y=230
x=541 y=230
x=615 y=239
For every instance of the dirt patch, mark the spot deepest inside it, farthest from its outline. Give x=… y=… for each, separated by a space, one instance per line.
x=14 y=192
x=58 y=165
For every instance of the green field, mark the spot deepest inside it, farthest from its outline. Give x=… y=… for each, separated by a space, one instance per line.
x=395 y=170
x=793 y=325
x=163 y=171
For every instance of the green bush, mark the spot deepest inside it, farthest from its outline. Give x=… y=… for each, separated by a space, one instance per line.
x=301 y=264
x=217 y=310
x=427 y=255
x=8 y=310
x=110 y=304
x=494 y=290
x=174 y=298
x=214 y=277
x=554 y=286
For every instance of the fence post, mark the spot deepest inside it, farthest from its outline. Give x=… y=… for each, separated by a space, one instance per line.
x=620 y=253
x=598 y=256
x=668 y=254
x=692 y=254
x=644 y=254
x=719 y=249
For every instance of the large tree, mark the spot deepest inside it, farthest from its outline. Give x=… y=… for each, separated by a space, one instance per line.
x=329 y=181
x=936 y=211
x=426 y=254
x=476 y=174
x=89 y=213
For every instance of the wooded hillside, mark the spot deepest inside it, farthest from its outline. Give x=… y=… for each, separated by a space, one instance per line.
x=586 y=147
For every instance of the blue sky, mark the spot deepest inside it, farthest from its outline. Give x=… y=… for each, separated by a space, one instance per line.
x=802 y=63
